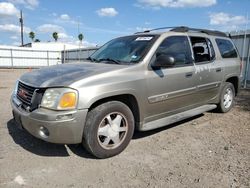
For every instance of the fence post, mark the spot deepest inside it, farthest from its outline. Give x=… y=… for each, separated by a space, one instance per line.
x=64 y=53
x=11 y=58
x=48 y=58
x=247 y=65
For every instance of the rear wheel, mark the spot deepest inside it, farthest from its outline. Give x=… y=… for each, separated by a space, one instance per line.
x=108 y=129
x=226 y=98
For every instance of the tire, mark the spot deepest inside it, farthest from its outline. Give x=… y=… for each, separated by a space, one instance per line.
x=226 y=98
x=108 y=130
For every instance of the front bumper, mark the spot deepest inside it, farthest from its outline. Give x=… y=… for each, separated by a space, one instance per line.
x=64 y=127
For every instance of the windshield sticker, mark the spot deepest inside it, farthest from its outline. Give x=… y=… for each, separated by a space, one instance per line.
x=143 y=38
x=134 y=56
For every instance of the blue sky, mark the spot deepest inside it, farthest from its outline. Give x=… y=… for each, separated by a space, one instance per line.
x=102 y=20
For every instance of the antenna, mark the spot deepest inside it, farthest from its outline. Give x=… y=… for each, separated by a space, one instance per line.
x=21 y=22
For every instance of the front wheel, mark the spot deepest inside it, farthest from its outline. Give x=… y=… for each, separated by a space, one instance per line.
x=226 y=98
x=108 y=129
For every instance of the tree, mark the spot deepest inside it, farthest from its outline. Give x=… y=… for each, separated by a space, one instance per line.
x=55 y=36
x=80 y=37
x=32 y=35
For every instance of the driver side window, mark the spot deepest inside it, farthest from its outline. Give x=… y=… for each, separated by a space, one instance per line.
x=178 y=48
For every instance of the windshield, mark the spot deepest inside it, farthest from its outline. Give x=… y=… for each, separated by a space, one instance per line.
x=129 y=49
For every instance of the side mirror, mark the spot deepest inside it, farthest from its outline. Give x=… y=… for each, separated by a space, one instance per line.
x=163 y=60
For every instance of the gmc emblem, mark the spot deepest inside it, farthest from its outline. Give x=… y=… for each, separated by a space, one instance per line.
x=22 y=93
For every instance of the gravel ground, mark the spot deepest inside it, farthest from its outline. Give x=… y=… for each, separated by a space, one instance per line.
x=209 y=150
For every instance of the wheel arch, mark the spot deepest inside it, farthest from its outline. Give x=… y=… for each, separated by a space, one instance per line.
x=235 y=81
x=128 y=99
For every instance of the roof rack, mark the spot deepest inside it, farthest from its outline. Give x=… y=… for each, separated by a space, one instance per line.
x=186 y=29
x=156 y=29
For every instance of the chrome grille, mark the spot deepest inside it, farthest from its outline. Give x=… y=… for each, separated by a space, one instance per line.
x=25 y=93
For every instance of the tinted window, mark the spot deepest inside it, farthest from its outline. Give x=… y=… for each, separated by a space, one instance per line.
x=226 y=48
x=177 y=47
x=203 y=49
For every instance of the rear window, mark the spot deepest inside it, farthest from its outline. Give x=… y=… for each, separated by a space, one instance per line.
x=227 y=49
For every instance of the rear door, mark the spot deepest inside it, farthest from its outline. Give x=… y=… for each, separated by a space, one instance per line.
x=208 y=71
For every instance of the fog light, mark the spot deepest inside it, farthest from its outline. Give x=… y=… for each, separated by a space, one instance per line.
x=43 y=132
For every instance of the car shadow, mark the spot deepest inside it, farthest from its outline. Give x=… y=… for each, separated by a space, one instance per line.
x=79 y=150
x=40 y=147
x=243 y=99
x=140 y=134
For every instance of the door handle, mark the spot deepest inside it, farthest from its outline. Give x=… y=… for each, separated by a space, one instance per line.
x=189 y=74
x=218 y=70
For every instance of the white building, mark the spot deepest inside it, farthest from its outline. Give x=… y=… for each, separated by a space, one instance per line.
x=51 y=46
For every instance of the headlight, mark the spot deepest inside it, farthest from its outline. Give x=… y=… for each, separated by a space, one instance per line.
x=60 y=99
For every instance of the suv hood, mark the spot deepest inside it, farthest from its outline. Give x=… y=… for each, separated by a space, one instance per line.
x=66 y=74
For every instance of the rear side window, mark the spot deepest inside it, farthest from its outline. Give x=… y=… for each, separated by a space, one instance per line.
x=203 y=49
x=227 y=49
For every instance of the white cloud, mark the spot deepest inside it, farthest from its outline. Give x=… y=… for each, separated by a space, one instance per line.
x=13 y=28
x=50 y=28
x=175 y=3
x=222 y=18
x=14 y=37
x=8 y=9
x=64 y=37
x=109 y=12
x=30 y=4
x=65 y=17
x=88 y=44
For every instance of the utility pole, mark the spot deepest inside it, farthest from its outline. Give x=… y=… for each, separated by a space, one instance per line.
x=21 y=22
x=79 y=50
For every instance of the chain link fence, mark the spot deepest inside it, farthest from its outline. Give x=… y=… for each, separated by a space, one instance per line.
x=27 y=58
x=241 y=40
x=78 y=55
x=24 y=58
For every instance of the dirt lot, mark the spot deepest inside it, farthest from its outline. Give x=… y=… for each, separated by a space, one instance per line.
x=210 y=150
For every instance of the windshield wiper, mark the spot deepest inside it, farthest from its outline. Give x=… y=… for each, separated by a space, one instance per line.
x=110 y=60
x=91 y=59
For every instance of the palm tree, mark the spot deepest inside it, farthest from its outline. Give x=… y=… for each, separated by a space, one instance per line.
x=80 y=37
x=32 y=35
x=55 y=36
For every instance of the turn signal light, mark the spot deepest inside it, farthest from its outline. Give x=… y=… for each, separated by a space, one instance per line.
x=68 y=101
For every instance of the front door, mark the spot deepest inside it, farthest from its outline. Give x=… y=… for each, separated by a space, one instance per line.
x=171 y=90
